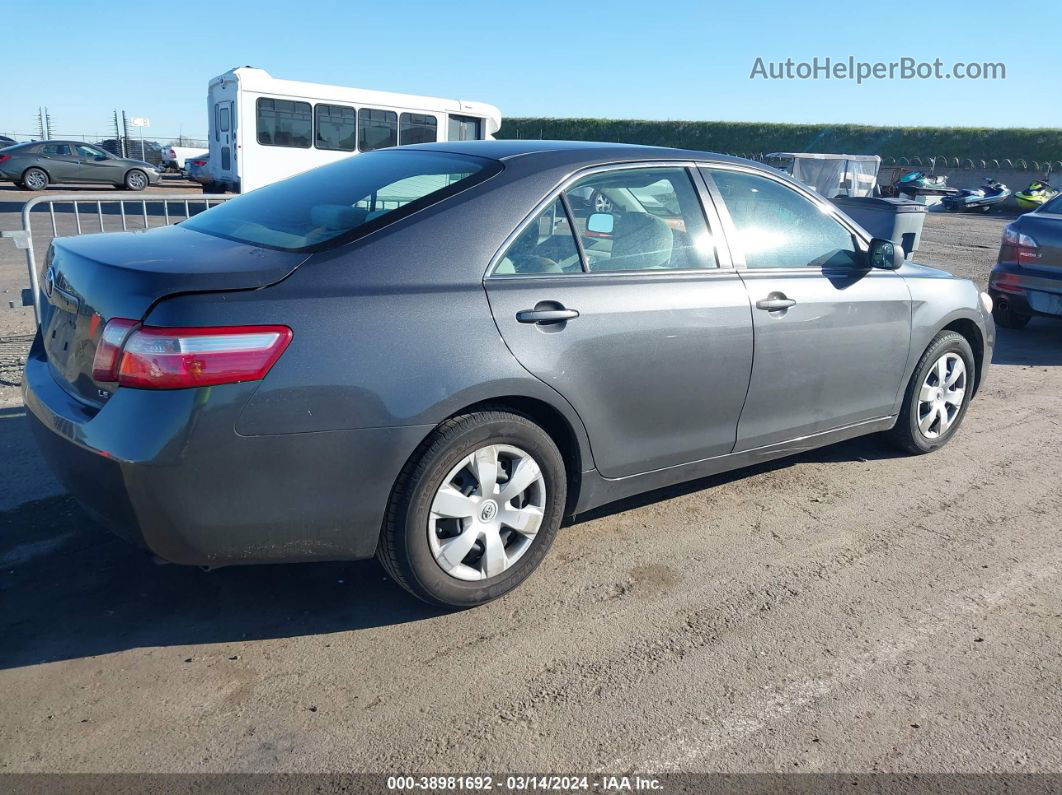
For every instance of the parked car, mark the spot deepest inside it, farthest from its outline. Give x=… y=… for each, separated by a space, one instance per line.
x=36 y=165
x=1027 y=278
x=420 y=354
x=195 y=169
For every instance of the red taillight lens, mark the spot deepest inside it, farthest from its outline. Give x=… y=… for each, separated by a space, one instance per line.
x=105 y=362
x=4 y=157
x=1018 y=247
x=199 y=163
x=149 y=357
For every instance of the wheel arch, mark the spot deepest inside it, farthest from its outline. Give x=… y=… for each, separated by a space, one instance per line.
x=570 y=440
x=130 y=170
x=39 y=168
x=972 y=333
x=554 y=423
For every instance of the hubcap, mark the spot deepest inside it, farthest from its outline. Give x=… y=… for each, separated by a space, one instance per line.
x=941 y=396
x=487 y=512
x=136 y=181
x=34 y=181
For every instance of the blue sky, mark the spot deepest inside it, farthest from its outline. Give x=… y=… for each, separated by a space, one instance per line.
x=647 y=59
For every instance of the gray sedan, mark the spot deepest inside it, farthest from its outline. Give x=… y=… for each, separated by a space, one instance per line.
x=36 y=165
x=424 y=354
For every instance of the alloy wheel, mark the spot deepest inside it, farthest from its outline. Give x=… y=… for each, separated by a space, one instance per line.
x=486 y=512
x=941 y=397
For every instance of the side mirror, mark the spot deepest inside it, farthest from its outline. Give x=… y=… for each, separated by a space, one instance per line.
x=601 y=223
x=885 y=255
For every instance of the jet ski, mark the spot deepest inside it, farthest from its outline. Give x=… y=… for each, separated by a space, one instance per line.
x=1033 y=196
x=917 y=183
x=981 y=199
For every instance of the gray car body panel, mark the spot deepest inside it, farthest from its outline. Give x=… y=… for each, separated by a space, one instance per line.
x=399 y=330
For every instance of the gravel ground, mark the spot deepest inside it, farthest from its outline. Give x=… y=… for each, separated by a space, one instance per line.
x=850 y=609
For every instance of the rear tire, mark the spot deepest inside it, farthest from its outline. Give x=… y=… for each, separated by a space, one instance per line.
x=420 y=525
x=1006 y=317
x=932 y=408
x=35 y=179
x=136 y=180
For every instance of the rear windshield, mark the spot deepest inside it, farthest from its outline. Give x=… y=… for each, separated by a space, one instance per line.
x=338 y=202
x=1053 y=206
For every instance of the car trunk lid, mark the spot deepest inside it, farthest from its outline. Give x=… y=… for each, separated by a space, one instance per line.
x=93 y=279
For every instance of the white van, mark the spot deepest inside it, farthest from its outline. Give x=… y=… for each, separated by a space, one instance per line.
x=263 y=129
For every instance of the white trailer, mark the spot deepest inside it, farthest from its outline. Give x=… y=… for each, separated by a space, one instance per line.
x=263 y=129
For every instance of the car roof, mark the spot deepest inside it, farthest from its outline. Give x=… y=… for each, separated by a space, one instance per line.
x=589 y=152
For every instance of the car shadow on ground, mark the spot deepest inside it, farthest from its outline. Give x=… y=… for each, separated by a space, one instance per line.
x=1038 y=344
x=70 y=589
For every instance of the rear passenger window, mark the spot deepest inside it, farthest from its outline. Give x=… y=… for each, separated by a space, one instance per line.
x=377 y=129
x=55 y=150
x=337 y=127
x=641 y=219
x=417 y=128
x=779 y=228
x=282 y=122
x=546 y=246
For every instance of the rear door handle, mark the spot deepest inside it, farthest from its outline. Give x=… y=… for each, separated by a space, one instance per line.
x=775 y=304
x=546 y=316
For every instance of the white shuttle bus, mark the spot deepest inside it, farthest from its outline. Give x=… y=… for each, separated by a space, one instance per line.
x=263 y=129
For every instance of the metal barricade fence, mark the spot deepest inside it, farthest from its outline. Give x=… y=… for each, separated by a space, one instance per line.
x=96 y=202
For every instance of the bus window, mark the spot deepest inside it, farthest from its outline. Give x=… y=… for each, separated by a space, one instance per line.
x=377 y=129
x=282 y=122
x=417 y=128
x=336 y=127
x=464 y=128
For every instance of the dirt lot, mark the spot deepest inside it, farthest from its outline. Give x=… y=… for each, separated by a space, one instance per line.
x=847 y=610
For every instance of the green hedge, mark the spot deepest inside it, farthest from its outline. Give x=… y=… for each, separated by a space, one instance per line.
x=854 y=139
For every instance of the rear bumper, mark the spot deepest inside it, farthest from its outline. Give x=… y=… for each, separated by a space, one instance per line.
x=167 y=471
x=1027 y=290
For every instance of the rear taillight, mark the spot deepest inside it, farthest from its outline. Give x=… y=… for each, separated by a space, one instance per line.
x=181 y=358
x=1018 y=247
x=4 y=157
x=199 y=163
x=105 y=362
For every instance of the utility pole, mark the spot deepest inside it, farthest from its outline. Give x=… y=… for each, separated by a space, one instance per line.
x=44 y=123
x=125 y=133
x=117 y=135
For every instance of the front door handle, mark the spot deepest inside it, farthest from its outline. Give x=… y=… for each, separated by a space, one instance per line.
x=775 y=303
x=546 y=316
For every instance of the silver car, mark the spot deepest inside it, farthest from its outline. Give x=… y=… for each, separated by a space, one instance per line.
x=423 y=354
x=35 y=166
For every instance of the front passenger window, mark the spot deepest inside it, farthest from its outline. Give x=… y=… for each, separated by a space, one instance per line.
x=779 y=228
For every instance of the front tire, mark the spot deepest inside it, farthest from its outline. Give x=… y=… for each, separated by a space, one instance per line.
x=937 y=396
x=136 y=180
x=1006 y=317
x=475 y=510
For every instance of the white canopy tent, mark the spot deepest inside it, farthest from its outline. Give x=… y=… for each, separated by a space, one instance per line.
x=830 y=175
